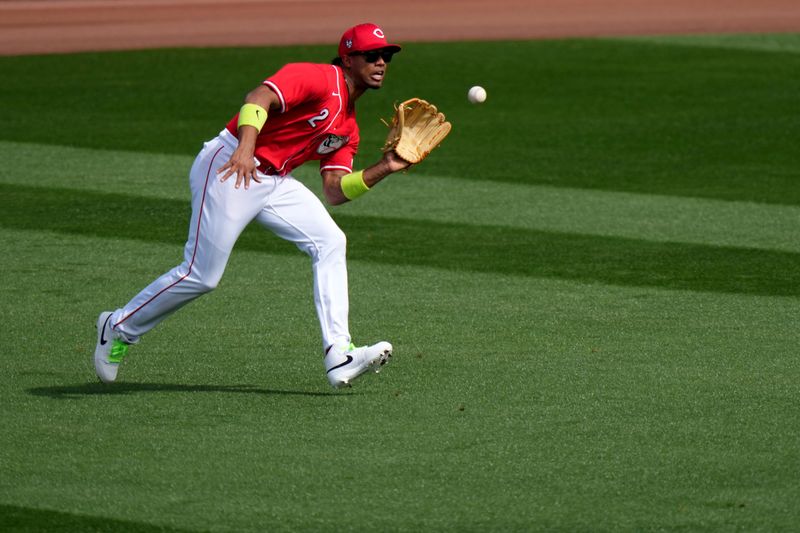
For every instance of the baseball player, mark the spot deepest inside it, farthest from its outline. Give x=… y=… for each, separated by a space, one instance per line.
x=302 y=112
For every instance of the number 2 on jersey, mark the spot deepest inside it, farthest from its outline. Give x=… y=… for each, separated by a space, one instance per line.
x=322 y=116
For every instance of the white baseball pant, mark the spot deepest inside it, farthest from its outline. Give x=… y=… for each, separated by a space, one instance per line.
x=220 y=212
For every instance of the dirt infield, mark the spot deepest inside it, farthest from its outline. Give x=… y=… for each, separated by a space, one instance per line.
x=44 y=26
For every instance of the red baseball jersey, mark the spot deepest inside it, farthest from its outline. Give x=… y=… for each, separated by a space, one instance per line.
x=315 y=121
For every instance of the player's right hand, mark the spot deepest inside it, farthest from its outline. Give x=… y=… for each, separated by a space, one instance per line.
x=241 y=165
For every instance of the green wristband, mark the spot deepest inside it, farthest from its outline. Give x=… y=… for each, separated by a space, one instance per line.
x=252 y=115
x=353 y=185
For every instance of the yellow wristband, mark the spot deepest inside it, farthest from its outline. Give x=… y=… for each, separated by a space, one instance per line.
x=252 y=115
x=353 y=185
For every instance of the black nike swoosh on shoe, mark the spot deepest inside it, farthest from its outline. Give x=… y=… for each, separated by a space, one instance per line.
x=349 y=360
x=103 y=340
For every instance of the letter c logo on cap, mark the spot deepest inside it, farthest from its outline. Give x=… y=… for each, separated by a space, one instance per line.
x=377 y=32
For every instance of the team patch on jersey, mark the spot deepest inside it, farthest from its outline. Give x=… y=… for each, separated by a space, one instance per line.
x=332 y=143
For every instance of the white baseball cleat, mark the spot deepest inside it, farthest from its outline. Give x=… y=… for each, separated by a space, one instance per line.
x=343 y=366
x=109 y=351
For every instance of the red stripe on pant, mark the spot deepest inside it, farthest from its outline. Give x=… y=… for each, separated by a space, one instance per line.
x=196 y=238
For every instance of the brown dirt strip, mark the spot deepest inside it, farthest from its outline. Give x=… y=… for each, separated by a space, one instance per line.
x=46 y=26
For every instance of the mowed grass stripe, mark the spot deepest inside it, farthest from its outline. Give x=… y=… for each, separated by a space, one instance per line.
x=769 y=42
x=479 y=248
x=632 y=116
x=420 y=196
x=585 y=211
x=27 y=519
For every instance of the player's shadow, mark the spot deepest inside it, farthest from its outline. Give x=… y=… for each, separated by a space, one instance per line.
x=97 y=389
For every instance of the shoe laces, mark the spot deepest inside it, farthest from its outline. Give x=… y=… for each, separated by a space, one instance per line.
x=118 y=351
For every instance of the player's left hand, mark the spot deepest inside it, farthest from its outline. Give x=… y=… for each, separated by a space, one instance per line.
x=417 y=128
x=394 y=162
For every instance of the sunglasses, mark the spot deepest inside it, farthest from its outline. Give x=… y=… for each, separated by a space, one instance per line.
x=372 y=55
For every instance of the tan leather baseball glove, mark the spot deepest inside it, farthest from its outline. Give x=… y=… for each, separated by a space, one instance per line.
x=417 y=128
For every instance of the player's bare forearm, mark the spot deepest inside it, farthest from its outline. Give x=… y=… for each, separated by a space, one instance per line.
x=332 y=180
x=242 y=163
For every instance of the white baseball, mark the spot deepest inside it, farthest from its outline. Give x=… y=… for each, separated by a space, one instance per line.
x=476 y=94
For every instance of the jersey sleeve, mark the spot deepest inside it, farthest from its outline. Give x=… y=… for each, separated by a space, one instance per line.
x=341 y=159
x=296 y=83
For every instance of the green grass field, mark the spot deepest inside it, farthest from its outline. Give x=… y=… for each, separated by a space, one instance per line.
x=593 y=289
